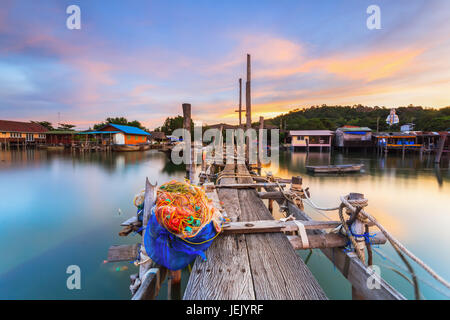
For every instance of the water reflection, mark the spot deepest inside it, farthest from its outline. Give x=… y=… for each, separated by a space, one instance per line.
x=110 y=161
x=59 y=208
x=409 y=196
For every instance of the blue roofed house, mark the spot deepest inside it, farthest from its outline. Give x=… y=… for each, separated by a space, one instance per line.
x=126 y=135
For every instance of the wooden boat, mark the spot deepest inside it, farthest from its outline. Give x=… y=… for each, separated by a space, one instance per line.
x=341 y=168
x=144 y=147
x=130 y=147
x=52 y=148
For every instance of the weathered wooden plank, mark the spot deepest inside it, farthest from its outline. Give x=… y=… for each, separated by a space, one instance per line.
x=127 y=252
x=329 y=240
x=133 y=227
x=226 y=273
x=152 y=281
x=278 y=272
x=250 y=185
x=351 y=267
x=130 y=221
x=271 y=195
x=261 y=226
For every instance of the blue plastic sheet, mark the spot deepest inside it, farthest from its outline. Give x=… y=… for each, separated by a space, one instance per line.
x=172 y=252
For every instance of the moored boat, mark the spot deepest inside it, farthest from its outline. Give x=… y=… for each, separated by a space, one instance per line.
x=342 y=168
x=51 y=148
x=130 y=147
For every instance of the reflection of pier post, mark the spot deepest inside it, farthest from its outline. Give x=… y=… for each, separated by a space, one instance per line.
x=440 y=149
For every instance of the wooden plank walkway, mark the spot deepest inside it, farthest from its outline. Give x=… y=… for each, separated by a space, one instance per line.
x=250 y=266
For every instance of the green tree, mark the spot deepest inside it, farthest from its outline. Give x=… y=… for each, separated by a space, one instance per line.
x=46 y=124
x=120 y=121
x=171 y=124
x=66 y=127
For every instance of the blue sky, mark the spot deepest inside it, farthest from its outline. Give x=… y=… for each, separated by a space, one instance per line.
x=143 y=59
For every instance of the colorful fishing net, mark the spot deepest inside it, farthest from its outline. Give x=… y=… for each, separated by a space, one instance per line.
x=184 y=209
x=182 y=225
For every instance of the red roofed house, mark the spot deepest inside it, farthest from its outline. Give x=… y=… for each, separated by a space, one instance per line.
x=21 y=133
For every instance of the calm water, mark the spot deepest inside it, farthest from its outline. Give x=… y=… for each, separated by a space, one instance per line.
x=58 y=210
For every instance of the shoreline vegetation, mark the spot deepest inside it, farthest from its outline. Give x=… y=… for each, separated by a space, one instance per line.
x=322 y=117
x=332 y=117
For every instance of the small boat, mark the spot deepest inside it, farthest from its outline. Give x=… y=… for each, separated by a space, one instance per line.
x=130 y=147
x=51 y=148
x=144 y=147
x=340 y=168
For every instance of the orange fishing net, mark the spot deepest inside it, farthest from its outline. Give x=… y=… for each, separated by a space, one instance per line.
x=184 y=209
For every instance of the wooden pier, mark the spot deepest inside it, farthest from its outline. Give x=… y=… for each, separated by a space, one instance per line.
x=255 y=257
x=261 y=266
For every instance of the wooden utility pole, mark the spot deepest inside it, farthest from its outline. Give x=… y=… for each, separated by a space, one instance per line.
x=248 y=109
x=187 y=127
x=240 y=103
x=248 y=102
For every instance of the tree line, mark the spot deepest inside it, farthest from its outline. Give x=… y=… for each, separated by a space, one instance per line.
x=70 y=127
x=322 y=117
x=332 y=117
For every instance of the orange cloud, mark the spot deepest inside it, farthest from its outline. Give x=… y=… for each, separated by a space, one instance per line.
x=372 y=66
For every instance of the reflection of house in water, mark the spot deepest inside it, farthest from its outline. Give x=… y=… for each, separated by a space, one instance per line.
x=24 y=157
x=353 y=137
x=306 y=139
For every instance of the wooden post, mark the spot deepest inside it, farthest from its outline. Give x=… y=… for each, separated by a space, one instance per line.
x=187 y=127
x=174 y=285
x=240 y=103
x=270 y=206
x=260 y=143
x=296 y=186
x=358 y=227
x=248 y=108
x=248 y=102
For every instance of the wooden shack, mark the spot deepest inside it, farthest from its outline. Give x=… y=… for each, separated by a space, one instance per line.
x=304 y=139
x=353 y=137
x=21 y=133
x=158 y=137
x=396 y=140
x=65 y=138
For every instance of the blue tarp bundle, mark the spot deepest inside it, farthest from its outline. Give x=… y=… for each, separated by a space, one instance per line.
x=172 y=252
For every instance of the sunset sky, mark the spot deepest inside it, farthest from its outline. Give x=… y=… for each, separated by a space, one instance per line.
x=143 y=59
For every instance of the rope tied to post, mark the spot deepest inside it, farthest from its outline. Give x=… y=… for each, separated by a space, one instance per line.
x=359 y=205
x=356 y=207
x=395 y=243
